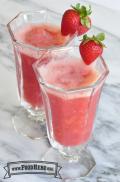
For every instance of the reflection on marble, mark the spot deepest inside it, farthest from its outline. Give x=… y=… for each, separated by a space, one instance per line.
x=105 y=143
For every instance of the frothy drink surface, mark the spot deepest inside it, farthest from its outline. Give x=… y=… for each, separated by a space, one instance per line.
x=44 y=35
x=68 y=73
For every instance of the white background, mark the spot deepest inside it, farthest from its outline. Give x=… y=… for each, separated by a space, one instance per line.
x=113 y=4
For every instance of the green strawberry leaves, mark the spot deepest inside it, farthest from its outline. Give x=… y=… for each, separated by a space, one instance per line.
x=77 y=6
x=84 y=12
x=85 y=21
x=97 y=39
x=100 y=36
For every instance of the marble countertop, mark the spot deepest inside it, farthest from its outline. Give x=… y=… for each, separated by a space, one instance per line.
x=105 y=144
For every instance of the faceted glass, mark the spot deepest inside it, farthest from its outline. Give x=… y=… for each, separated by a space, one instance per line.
x=27 y=50
x=70 y=110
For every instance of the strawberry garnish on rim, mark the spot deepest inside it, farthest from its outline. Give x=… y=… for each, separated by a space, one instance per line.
x=76 y=20
x=91 y=47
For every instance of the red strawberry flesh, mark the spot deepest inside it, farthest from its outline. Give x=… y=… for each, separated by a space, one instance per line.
x=70 y=22
x=90 y=51
x=76 y=20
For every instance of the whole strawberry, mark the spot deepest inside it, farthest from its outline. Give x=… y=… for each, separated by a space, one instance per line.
x=91 y=47
x=76 y=20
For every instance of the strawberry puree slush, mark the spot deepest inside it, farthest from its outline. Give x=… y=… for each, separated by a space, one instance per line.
x=72 y=114
x=43 y=36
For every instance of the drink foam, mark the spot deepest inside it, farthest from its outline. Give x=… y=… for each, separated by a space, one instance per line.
x=40 y=35
x=69 y=73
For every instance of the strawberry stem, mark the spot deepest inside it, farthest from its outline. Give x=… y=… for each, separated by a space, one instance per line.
x=97 y=39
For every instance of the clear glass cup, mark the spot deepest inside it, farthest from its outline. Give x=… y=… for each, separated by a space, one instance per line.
x=29 y=120
x=70 y=107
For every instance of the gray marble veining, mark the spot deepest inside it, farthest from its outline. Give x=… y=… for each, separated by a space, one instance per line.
x=105 y=143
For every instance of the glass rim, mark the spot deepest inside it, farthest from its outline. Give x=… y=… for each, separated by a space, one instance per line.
x=35 y=48
x=66 y=91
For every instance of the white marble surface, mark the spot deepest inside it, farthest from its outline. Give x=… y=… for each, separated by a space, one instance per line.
x=105 y=145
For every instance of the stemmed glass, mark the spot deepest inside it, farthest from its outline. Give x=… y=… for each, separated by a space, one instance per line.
x=29 y=120
x=70 y=98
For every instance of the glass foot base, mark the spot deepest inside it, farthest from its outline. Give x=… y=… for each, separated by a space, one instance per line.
x=28 y=125
x=72 y=169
